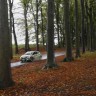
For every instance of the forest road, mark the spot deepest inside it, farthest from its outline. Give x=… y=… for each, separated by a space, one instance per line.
x=44 y=56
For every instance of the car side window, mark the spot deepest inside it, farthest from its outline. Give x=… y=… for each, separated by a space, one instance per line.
x=34 y=53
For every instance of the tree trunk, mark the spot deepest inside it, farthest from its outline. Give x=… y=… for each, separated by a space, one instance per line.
x=91 y=28
x=94 y=27
x=15 y=39
x=76 y=30
x=87 y=25
x=10 y=11
x=42 y=27
x=67 y=31
x=82 y=26
x=26 y=30
x=37 y=27
x=50 y=36
x=5 y=69
x=57 y=22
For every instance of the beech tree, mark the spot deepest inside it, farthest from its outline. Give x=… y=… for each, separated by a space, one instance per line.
x=83 y=25
x=10 y=24
x=76 y=30
x=50 y=36
x=25 y=6
x=37 y=26
x=5 y=69
x=12 y=28
x=67 y=31
x=57 y=5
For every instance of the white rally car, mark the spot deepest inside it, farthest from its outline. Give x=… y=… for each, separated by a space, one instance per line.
x=31 y=56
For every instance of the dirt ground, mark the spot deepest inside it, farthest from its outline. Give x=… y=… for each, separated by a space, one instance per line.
x=76 y=78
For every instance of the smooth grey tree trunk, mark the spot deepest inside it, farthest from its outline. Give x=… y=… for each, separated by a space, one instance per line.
x=15 y=39
x=37 y=27
x=91 y=28
x=87 y=25
x=42 y=27
x=82 y=26
x=50 y=37
x=57 y=22
x=76 y=30
x=5 y=69
x=26 y=29
x=10 y=11
x=67 y=31
x=12 y=26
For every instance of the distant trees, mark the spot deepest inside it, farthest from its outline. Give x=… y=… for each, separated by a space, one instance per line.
x=15 y=37
x=78 y=19
x=10 y=24
x=42 y=23
x=37 y=26
x=37 y=12
x=5 y=70
x=88 y=25
x=57 y=12
x=92 y=22
x=12 y=28
x=25 y=4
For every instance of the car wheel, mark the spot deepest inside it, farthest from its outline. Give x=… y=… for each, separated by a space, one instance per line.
x=31 y=58
x=40 y=57
x=24 y=60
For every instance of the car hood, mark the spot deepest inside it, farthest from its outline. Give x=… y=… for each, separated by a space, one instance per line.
x=24 y=56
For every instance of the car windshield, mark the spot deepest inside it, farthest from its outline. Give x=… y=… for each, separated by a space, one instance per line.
x=28 y=53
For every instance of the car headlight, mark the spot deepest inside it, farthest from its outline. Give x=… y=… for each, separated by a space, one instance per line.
x=20 y=57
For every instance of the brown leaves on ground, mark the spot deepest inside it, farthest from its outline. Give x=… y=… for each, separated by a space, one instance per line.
x=76 y=78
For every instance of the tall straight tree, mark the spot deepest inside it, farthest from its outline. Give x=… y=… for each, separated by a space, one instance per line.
x=12 y=26
x=37 y=27
x=57 y=21
x=76 y=30
x=5 y=69
x=50 y=36
x=25 y=6
x=82 y=26
x=87 y=25
x=15 y=38
x=42 y=26
x=91 y=25
x=26 y=30
x=10 y=11
x=67 y=31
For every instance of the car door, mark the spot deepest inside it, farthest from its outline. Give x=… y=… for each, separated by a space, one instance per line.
x=38 y=55
x=35 y=55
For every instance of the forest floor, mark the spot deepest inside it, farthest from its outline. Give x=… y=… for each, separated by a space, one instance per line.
x=76 y=78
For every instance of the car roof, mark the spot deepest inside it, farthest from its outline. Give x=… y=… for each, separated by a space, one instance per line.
x=31 y=51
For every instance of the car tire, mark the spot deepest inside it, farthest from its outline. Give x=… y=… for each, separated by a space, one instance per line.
x=31 y=59
x=22 y=61
x=40 y=57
